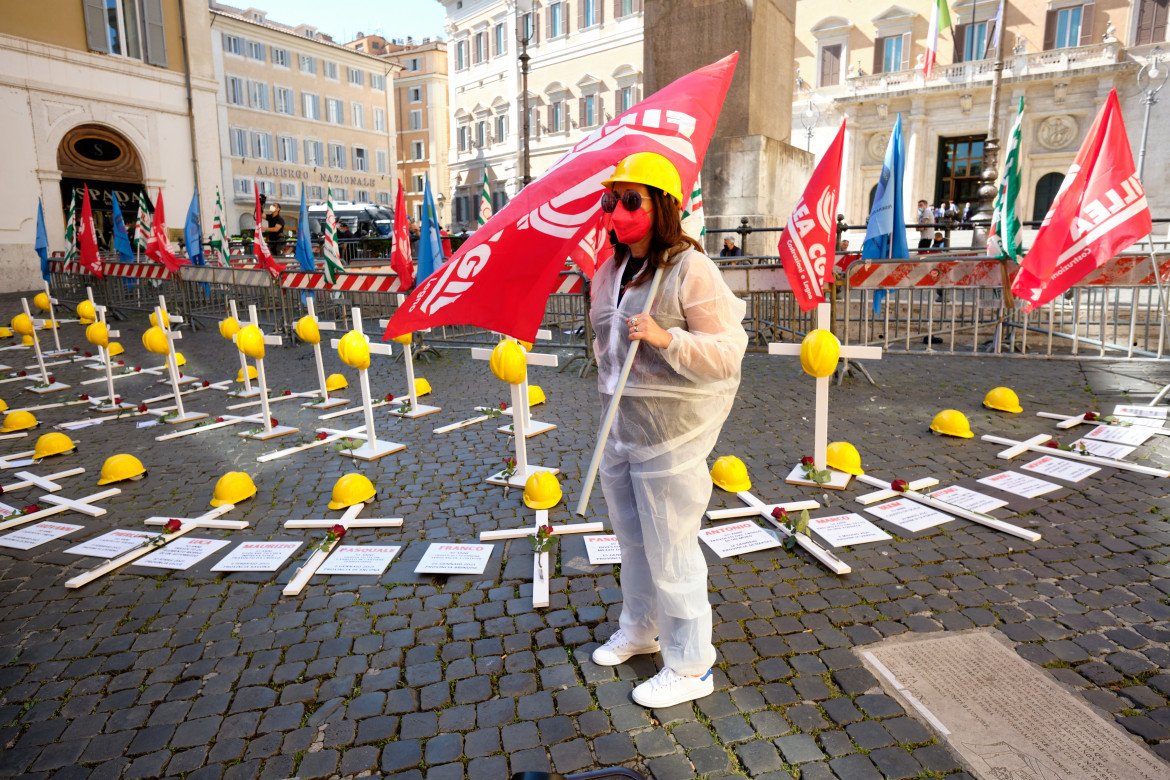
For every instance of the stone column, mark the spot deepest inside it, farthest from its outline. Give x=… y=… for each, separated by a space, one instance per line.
x=750 y=170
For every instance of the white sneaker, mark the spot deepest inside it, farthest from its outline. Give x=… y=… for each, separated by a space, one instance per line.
x=618 y=649
x=667 y=689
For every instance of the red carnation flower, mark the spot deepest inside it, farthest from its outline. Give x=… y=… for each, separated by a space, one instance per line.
x=118 y=399
x=121 y=362
x=52 y=380
x=337 y=531
x=174 y=524
x=899 y=485
x=78 y=349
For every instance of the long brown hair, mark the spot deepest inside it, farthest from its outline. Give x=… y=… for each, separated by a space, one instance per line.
x=667 y=238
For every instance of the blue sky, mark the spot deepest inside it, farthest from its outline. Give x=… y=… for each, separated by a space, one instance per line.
x=343 y=19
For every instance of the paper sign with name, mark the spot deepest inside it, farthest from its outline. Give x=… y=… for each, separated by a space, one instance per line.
x=366 y=559
x=1105 y=449
x=146 y=424
x=257 y=556
x=112 y=544
x=737 y=538
x=603 y=550
x=7 y=511
x=447 y=558
x=1061 y=468
x=968 y=499
x=847 y=529
x=22 y=462
x=1132 y=437
x=27 y=538
x=183 y=553
x=1148 y=412
x=1020 y=484
x=909 y=515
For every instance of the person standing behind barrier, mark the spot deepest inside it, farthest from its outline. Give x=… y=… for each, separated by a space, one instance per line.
x=344 y=240
x=274 y=230
x=730 y=249
x=925 y=219
x=680 y=390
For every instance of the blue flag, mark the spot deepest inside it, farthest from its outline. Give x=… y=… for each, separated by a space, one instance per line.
x=121 y=237
x=41 y=245
x=193 y=233
x=430 y=243
x=304 y=250
x=885 y=234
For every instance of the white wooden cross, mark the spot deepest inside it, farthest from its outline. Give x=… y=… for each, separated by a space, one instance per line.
x=248 y=391
x=1072 y=421
x=349 y=520
x=181 y=415
x=49 y=387
x=756 y=507
x=373 y=448
x=111 y=403
x=332 y=435
x=206 y=520
x=53 y=325
x=416 y=409
x=839 y=480
x=1036 y=444
x=324 y=400
x=541 y=571
x=44 y=483
x=912 y=492
x=268 y=430
x=59 y=505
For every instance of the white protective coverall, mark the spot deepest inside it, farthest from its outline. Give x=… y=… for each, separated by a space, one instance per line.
x=654 y=467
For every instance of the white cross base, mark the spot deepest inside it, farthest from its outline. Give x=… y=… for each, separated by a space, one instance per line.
x=164 y=320
x=248 y=391
x=531 y=427
x=84 y=505
x=305 y=571
x=541 y=571
x=46 y=483
x=324 y=399
x=758 y=508
x=411 y=394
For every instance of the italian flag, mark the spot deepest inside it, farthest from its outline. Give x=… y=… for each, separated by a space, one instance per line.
x=940 y=19
x=329 y=249
x=485 y=201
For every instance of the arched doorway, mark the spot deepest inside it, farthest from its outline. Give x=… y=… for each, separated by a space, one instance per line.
x=102 y=159
x=1046 y=190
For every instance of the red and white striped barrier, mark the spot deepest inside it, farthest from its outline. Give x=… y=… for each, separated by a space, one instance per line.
x=127 y=270
x=925 y=274
x=373 y=283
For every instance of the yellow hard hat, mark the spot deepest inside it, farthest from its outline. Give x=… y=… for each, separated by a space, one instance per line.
x=819 y=352
x=3 y=405
x=843 y=456
x=18 y=421
x=535 y=395
x=52 y=444
x=307 y=330
x=421 y=386
x=404 y=339
x=22 y=324
x=542 y=490
x=41 y=301
x=85 y=311
x=121 y=467
x=250 y=341
x=335 y=382
x=156 y=341
x=508 y=362
x=5 y=333
x=232 y=488
x=229 y=327
x=351 y=489
x=251 y=374
x=115 y=349
x=1003 y=399
x=651 y=169
x=952 y=423
x=354 y=350
x=180 y=361
x=50 y=324
x=26 y=341
x=166 y=323
x=98 y=334
x=730 y=474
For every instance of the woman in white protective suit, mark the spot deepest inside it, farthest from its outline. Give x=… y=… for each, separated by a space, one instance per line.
x=654 y=466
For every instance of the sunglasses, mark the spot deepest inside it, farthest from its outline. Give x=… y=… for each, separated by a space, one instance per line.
x=632 y=200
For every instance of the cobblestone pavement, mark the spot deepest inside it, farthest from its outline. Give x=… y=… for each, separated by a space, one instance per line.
x=205 y=675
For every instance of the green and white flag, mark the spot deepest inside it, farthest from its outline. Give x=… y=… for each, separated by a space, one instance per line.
x=485 y=202
x=220 y=246
x=72 y=254
x=142 y=227
x=1003 y=240
x=329 y=250
x=692 y=219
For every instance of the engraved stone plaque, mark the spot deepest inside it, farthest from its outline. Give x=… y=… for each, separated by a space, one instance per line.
x=1005 y=717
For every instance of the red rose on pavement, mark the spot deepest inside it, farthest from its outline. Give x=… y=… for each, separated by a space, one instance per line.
x=503 y=407
x=780 y=513
x=272 y=421
x=173 y=525
x=85 y=396
x=137 y=368
x=899 y=485
x=206 y=383
x=548 y=530
x=337 y=531
x=121 y=362
x=1090 y=416
x=142 y=407
x=78 y=349
x=118 y=399
x=389 y=397
x=88 y=354
x=807 y=461
x=1052 y=445
x=28 y=510
x=22 y=373
x=288 y=392
x=180 y=375
x=322 y=436
x=52 y=380
x=219 y=419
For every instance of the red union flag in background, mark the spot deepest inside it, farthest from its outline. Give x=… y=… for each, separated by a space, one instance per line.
x=259 y=245
x=87 y=238
x=517 y=256
x=158 y=247
x=1100 y=210
x=809 y=241
x=400 y=259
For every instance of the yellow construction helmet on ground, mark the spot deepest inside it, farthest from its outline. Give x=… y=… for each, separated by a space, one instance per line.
x=508 y=362
x=421 y=386
x=651 y=169
x=26 y=341
x=1003 y=399
x=180 y=361
x=307 y=330
x=156 y=341
x=819 y=352
x=335 y=382
x=50 y=324
x=542 y=490
x=843 y=456
x=41 y=301
x=351 y=489
x=118 y=468
x=951 y=422
x=535 y=395
x=229 y=327
x=5 y=333
x=166 y=320
x=250 y=341
x=3 y=405
x=97 y=334
x=22 y=324
x=251 y=374
x=232 y=488
x=52 y=444
x=730 y=474
x=354 y=350
x=19 y=420
x=115 y=349
x=85 y=311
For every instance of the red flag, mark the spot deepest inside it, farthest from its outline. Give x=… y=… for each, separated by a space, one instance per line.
x=1100 y=210
x=158 y=248
x=87 y=238
x=400 y=259
x=809 y=241
x=259 y=245
x=518 y=255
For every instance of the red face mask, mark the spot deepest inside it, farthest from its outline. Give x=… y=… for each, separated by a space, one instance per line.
x=631 y=226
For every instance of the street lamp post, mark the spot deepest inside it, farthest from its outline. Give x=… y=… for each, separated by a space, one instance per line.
x=990 y=174
x=524 y=33
x=1151 y=78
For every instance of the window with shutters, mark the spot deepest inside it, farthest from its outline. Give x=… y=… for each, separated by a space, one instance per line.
x=126 y=28
x=256 y=51
x=337 y=156
x=415 y=94
x=461 y=55
x=314 y=152
x=829 y=70
x=1068 y=27
x=361 y=159
x=971 y=41
x=285 y=100
x=960 y=165
x=625 y=99
x=262 y=146
x=267 y=187
x=589 y=13
x=556 y=117
x=462 y=137
x=589 y=112
x=556 y=20
x=238 y=140
x=530 y=27
x=380 y=119
x=315 y=192
x=357 y=77
x=258 y=95
x=1151 y=24
x=361 y=196
x=310 y=106
x=481 y=134
x=416 y=119
x=236 y=95
x=419 y=183
x=892 y=53
x=414 y=64
x=329 y=70
x=340 y=194
x=479 y=48
x=242 y=185
x=623 y=8
x=288 y=190
x=286 y=148
x=233 y=44
x=308 y=64
x=383 y=198
x=334 y=111
x=378 y=82
x=280 y=57
x=418 y=150
x=381 y=161
x=359 y=115
x=501 y=128
x=499 y=41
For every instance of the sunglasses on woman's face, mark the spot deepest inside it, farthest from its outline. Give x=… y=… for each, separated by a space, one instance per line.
x=632 y=200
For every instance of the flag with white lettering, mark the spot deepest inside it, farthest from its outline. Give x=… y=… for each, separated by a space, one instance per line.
x=400 y=256
x=519 y=254
x=809 y=241
x=158 y=248
x=329 y=249
x=1100 y=210
x=87 y=238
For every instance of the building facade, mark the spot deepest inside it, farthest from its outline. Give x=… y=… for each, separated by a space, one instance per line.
x=585 y=67
x=97 y=94
x=862 y=61
x=295 y=108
